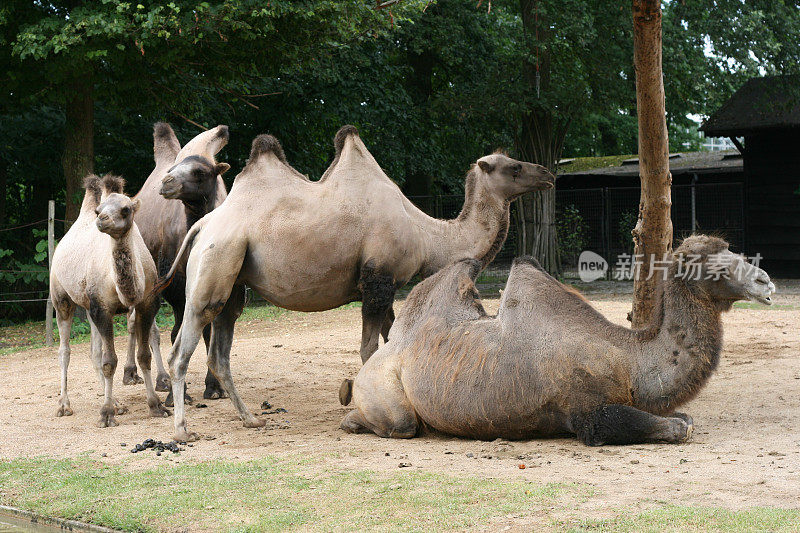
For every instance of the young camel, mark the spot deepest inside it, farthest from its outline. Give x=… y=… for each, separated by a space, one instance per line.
x=103 y=265
x=549 y=364
x=192 y=176
x=313 y=246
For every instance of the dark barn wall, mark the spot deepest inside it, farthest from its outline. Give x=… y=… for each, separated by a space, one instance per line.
x=772 y=178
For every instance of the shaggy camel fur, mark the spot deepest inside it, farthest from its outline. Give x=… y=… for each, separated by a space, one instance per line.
x=192 y=176
x=102 y=265
x=312 y=246
x=549 y=364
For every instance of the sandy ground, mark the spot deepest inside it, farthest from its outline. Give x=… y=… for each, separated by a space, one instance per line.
x=745 y=450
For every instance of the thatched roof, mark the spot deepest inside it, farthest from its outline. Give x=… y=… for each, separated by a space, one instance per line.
x=761 y=103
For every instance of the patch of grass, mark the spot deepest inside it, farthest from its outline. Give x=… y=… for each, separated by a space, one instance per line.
x=681 y=519
x=266 y=495
x=762 y=307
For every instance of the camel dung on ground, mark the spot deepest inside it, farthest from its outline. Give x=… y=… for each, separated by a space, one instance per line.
x=313 y=246
x=103 y=265
x=549 y=364
x=184 y=185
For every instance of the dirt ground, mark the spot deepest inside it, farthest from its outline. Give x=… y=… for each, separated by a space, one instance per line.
x=745 y=450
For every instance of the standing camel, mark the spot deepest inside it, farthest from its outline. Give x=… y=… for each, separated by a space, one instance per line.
x=103 y=265
x=549 y=364
x=313 y=246
x=192 y=176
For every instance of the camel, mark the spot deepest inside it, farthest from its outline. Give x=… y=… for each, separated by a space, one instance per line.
x=549 y=364
x=313 y=246
x=192 y=176
x=102 y=265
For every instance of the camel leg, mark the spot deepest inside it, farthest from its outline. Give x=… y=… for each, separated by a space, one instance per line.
x=188 y=336
x=97 y=362
x=387 y=324
x=64 y=312
x=219 y=353
x=377 y=296
x=623 y=424
x=175 y=295
x=104 y=320
x=129 y=375
x=146 y=314
x=214 y=389
x=381 y=403
x=162 y=378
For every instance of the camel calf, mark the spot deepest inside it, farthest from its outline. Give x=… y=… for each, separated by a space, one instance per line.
x=103 y=265
x=548 y=363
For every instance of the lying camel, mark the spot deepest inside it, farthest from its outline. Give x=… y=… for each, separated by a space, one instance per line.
x=549 y=364
x=313 y=246
x=103 y=265
x=192 y=176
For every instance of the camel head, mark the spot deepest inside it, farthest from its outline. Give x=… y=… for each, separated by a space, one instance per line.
x=508 y=178
x=706 y=264
x=193 y=179
x=115 y=210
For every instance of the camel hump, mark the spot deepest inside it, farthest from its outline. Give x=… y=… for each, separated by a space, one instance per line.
x=94 y=188
x=267 y=144
x=529 y=260
x=165 y=143
x=206 y=144
x=342 y=135
x=113 y=184
x=474 y=267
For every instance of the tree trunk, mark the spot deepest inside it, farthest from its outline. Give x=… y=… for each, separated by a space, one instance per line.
x=3 y=187
x=652 y=235
x=78 y=157
x=540 y=140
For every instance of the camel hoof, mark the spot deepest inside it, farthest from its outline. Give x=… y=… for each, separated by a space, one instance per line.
x=186 y=436
x=683 y=416
x=64 y=410
x=689 y=431
x=159 y=411
x=107 y=421
x=130 y=377
x=255 y=423
x=346 y=392
x=214 y=393
x=163 y=383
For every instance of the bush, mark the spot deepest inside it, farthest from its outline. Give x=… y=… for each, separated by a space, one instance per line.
x=571 y=232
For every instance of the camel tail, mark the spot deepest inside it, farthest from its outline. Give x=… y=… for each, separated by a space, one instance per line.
x=164 y=282
x=346 y=392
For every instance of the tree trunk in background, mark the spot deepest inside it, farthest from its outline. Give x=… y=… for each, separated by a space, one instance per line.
x=540 y=141
x=652 y=235
x=78 y=157
x=3 y=186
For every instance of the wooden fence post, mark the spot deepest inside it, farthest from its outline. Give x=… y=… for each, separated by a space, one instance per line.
x=48 y=324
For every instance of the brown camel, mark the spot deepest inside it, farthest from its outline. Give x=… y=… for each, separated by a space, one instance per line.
x=313 y=246
x=192 y=176
x=549 y=363
x=102 y=265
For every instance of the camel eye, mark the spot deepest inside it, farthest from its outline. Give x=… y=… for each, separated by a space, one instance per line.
x=125 y=212
x=517 y=171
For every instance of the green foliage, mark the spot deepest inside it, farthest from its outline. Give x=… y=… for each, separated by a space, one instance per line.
x=572 y=234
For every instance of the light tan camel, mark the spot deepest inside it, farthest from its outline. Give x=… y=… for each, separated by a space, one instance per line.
x=184 y=185
x=549 y=364
x=103 y=265
x=312 y=246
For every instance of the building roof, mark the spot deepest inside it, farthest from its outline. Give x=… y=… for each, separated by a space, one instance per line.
x=681 y=163
x=761 y=103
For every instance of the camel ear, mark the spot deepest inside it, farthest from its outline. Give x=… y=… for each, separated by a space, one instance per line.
x=135 y=205
x=486 y=166
x=222 y=168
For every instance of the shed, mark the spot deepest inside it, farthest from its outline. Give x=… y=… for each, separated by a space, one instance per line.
x=763 y=119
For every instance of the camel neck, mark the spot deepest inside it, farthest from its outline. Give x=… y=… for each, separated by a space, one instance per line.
x=478 y=232
x=676 y=363
x=196 y=210
x=128 y=271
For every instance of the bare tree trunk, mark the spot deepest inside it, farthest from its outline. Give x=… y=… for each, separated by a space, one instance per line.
x=652 y=235
x=540 y=140
x=78 y=158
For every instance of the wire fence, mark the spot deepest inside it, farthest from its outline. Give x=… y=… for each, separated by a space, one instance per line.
x=600 y=220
